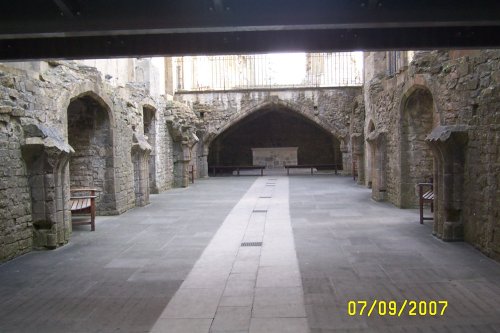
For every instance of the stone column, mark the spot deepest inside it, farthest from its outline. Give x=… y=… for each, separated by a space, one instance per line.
x=346 y=157
x=140 y=152
x=357 y=157
x=181 y=165
x=46 y=160
x=448 y=144
x=377 y=140
x=203 y=163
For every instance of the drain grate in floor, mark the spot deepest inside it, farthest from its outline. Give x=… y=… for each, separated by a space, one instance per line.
x=265 y=197
x=251 y=244
x=259 y=211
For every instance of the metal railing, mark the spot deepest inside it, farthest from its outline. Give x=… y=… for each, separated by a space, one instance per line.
x=269 y=71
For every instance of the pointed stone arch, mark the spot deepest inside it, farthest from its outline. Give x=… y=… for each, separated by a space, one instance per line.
x=273 y=135
x=92 y=90
x=418 y=116
x=340 y=132
x=90 y=132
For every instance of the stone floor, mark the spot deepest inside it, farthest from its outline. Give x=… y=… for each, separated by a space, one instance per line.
x=178 y=265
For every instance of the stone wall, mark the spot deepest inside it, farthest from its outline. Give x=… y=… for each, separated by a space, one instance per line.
x=45 y=110
x=16 y=235
x=275 y=127
x=274 y=157
x=183 y=126
x=356 y=131
x=440 y=117
x=62 y=124
x=328 y=108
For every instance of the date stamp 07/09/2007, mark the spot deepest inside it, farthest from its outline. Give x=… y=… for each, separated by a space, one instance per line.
x=395 y=309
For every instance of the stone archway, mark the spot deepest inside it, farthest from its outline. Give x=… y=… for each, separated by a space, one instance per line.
x=273 y=126
x=89 y=133
x=418 y=118
x=337 y=130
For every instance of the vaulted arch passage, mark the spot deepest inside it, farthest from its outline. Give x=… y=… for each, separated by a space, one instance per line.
x=275 y=127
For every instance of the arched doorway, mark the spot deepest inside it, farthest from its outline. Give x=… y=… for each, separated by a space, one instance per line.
x=274 y=126
x=418 y=119
x=90 y=135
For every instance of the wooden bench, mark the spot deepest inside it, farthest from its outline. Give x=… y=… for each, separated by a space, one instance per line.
x=311 y=166
x=426 y=196
x=237 y=168
x=83 y=205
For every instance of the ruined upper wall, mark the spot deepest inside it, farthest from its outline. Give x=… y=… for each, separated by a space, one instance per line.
x=329 y=108
x=150 y=72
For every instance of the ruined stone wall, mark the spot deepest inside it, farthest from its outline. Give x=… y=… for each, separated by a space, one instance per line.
x=183 y=126
x=276 y=128
x=465 y=100
x=357 y=137
x=18 y=104
x=15 y=205
x=330 y=107
x=164 y=154
x=36 y=152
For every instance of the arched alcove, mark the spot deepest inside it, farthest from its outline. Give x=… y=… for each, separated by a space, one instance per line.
x=418 y=117
x=90 y=135
x=274 y=126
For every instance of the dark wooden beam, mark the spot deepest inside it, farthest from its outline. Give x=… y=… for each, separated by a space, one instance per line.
x=122 y=28
x=64 y=8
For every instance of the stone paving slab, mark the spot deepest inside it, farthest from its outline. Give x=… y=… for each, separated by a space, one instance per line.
x=352 y=248
x=243 y=284
x=120 y=277
x=324 y=243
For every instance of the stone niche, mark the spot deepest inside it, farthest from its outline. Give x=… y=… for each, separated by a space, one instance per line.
x=276 y=157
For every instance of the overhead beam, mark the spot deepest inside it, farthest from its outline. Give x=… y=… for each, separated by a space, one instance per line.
x=64 y=8
x=33 y=29
x=250 y=42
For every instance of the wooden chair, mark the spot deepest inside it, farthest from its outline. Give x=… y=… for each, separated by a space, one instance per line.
x=83 y=205
x=425 y=195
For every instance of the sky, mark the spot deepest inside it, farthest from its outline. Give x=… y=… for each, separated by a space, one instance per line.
x=287 y=68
